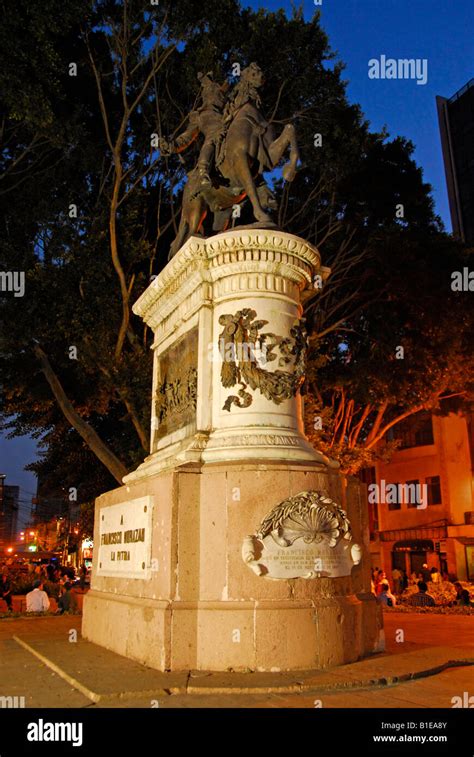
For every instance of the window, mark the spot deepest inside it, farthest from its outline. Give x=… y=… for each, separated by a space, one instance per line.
x=433 y=484
x=415 y=431
x=412 y=494
x=424 y=434
x=367 y=475
x=395 y=505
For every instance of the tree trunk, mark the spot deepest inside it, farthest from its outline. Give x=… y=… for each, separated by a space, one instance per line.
x=84 y=429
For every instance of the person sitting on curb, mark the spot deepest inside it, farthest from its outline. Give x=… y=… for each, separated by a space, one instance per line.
x=386 y=597
x=67 y=601
x=37 y=600
x=421 y=598
x=462 y=596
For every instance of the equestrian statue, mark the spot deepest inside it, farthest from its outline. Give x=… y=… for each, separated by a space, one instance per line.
x=238 y=146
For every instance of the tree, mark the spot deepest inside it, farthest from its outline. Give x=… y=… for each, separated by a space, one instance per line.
x=407 y=351
x=89 y=208
x=86 y=521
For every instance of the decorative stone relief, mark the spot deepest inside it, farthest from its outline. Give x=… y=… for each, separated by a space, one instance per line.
x=305 y=536
x=176 y=392
x=177 y=397
x=240 y=344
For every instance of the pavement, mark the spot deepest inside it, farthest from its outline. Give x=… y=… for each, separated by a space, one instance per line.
x=428 y=661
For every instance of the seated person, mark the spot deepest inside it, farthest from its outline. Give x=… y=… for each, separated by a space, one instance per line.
x=37 y=600
x=421 y=598
x=386 y=597
x=67 y=601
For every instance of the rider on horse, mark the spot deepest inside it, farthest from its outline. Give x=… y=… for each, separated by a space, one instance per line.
x=239 y=145
x=207 y=120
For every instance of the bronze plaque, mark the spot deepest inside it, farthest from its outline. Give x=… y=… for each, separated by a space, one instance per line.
x=176 y=394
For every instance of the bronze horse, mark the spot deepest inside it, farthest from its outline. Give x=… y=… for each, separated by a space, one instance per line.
x=249 y=148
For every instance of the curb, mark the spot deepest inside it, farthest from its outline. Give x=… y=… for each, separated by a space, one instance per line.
x=312 y=685
x=290 y=688
x=93 y=695
x=60 y=672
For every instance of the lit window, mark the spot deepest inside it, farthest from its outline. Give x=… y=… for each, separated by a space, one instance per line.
x=413 y=493
x=398 y=503
x=433 y=484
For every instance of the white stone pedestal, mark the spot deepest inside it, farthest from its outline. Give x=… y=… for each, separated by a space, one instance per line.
x=170 y=587
x=263 y=271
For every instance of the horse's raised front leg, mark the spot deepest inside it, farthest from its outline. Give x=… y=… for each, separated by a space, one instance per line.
x=243 y=173
x=278 y=147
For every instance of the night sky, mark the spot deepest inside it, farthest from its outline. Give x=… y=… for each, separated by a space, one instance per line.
x=440 y=31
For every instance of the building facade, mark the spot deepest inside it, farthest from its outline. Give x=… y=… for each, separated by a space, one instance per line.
x=9 y=503
x=421 y=502
x=456 y=124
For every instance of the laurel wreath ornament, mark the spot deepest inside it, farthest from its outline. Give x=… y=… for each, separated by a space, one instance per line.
x=242 y=335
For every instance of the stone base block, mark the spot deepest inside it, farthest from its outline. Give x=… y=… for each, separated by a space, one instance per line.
x=248 y=636
x=130 y=626
x=199 y=605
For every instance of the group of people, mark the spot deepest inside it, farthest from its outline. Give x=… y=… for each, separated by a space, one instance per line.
x=37 y=600
x=381 y=588
x=379 y=579
x=421 y=598
x=429 y=574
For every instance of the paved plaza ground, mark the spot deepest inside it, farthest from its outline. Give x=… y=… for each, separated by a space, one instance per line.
x=433 y=664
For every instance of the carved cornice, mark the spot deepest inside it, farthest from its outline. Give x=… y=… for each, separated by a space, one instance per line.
x=272 y=256
x=261 y=241
x=181 y=277
x=262 y=253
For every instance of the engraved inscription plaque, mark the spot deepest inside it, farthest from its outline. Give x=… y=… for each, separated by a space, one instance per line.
x=124 y=549
x=305 y=536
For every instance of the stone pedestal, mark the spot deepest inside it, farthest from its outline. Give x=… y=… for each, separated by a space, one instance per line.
x=173 y=585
